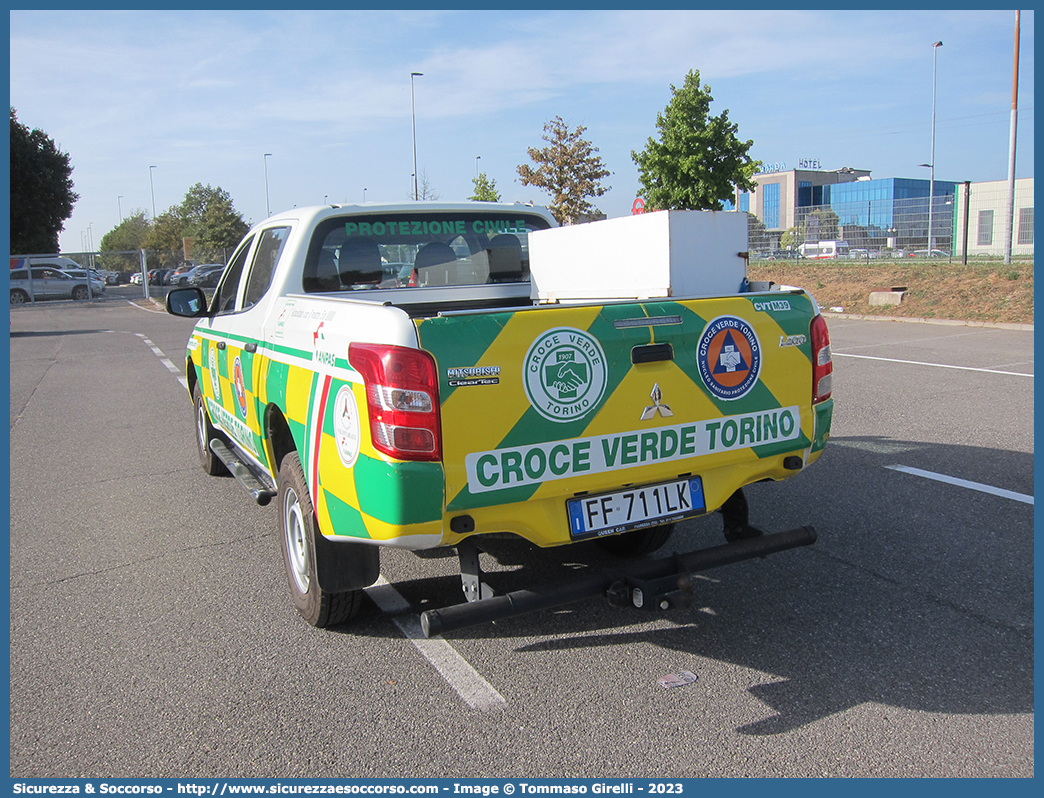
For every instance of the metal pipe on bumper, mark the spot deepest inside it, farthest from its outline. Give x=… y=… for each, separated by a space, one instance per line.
x=448 y=619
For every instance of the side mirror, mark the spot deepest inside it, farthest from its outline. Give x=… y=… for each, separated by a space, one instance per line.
x=188 y=302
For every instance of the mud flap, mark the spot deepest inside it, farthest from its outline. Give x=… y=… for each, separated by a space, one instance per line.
x=341 y=567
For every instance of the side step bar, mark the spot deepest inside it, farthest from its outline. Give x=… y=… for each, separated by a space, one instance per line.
x=653 y=585
x=257 y=484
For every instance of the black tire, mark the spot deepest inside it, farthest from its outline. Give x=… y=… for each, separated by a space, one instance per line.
x=212 y=466
x=79 y=292
x=638 y=542
x=18 y=296
x=297 y=531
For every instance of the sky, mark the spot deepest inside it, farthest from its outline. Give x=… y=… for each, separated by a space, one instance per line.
x=202 y=96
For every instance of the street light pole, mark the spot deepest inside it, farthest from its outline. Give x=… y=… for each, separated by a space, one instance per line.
x=477 y=158
x=931 y=179
x=119 y=205
x=413 y=111
x=268 y=207
x=1012 y=132
x=153 y=188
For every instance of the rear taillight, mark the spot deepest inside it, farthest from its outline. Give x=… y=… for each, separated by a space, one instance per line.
x=822 y=365
x=402 y=395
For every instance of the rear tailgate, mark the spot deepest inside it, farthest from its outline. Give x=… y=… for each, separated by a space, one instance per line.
x=542 y=405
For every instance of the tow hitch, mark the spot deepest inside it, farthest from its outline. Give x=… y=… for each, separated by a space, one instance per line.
x=652 y=586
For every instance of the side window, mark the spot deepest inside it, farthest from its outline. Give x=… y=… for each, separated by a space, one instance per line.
x=269 y=247
x=986 y=228
x=225 y=297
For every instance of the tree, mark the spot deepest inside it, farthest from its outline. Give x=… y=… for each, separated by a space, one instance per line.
x=485 y=189
x=698 y=162
x=208 y=217
x=41 y=190
x=568 y=169
x=128 y=235
x=425 y=193
x=792 y=238
x=165 y=237
x=818 y=225
x=757 y=233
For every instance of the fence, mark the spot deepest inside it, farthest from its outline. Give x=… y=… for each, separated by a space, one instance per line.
x=972 y=221
x=40 y=276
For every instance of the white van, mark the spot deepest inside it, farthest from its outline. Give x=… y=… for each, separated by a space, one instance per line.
x=823 y=250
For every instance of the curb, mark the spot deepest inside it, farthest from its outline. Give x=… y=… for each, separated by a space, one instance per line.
x=1000 y=325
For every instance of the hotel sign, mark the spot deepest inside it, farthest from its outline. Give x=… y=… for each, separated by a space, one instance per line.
x=780 y=166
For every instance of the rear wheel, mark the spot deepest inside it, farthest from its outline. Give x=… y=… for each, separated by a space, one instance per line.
x=298 y=530
x=637 y=542
x=204 y=432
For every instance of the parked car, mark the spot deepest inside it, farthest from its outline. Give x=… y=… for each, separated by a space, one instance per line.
x=935 y=253
x=97 y=281
x=48 y=283
x=158 y=276
x=135 y=279
x=206 y=275
x=188 y=277
x=179 y=276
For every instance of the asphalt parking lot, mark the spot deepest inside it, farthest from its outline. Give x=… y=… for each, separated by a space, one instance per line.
x=151 y=632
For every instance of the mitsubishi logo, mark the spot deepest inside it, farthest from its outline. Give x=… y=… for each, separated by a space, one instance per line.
x=657 y=407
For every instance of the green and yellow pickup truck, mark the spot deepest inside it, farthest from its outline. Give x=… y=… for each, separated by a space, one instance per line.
x=421 y=375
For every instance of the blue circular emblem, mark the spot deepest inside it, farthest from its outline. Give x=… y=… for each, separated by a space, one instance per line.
x=729 y=357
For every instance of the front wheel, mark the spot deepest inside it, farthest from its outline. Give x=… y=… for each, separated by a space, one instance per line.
x=637 y=542
x=80 y=292
x=298 y=530
x=18 y=296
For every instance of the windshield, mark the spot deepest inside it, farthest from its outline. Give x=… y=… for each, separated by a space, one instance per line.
x=405 y=250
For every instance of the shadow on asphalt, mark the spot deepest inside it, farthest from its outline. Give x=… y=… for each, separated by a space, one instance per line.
x=923 y=601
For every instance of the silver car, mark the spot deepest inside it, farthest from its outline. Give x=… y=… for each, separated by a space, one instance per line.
x=49 y=283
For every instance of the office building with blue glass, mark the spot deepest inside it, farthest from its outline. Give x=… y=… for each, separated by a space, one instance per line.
x=847 y=204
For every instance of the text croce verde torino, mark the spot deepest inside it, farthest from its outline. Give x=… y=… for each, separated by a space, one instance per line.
x=543 y=462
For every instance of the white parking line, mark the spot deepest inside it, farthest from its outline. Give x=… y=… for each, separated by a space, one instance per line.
x=964 y=483
x=935 y=365
x=470 y=686
x=476 y=692
x=134 y=304
x=165 y=360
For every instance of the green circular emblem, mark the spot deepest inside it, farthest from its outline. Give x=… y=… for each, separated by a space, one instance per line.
x=565 y=374
x=215 y=380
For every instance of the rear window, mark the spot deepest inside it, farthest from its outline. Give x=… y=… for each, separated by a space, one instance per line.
x=399 y=250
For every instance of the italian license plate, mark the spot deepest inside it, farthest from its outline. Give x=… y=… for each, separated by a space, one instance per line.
x=635 y=508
